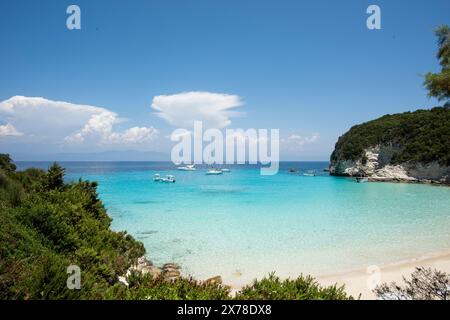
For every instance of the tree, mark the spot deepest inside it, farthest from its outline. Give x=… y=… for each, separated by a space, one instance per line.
x=438 y=84
x=425 y=284
x=54 y=178
x=6 y=163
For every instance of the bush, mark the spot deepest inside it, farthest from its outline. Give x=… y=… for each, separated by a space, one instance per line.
x=302 y=288
x=47 y=225
x=425 y=284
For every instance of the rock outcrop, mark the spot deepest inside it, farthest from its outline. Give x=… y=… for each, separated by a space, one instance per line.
x=409 y=146
x=169 y=271
x=376 y=165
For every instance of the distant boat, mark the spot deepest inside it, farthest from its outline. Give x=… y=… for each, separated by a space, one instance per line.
x=225 y=170
x=292 y=170
x=168 y=178
x=310 y=173
x=188 y=167
x=214 y=172
x=361 y=179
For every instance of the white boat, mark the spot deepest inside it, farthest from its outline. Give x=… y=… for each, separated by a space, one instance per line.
x=310 y=173
x=169 y=178
x=225 y=170
x=188 y=167
x=214 y=172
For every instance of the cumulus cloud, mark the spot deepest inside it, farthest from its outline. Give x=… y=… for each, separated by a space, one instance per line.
x=9 y=130
x=100 y=128
x=57 y=122
x=182 y=109
x=40 y=116
x=302 y=140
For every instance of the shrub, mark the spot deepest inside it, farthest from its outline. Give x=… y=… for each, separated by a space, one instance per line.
x=302 y=288
x=425 y=284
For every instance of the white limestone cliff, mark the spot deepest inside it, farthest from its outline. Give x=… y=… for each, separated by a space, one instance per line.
x=375 y=164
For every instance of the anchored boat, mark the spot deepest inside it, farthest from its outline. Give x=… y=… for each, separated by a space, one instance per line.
x=214 y=172
x=188 y=167
x=169 y=178
x=310 y=173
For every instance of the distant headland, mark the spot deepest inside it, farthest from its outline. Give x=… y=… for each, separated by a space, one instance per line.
x=406 y=147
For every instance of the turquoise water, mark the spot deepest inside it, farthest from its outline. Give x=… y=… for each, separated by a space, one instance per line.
x=242 y=225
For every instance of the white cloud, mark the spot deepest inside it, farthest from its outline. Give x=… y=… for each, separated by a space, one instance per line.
x=40 y=116
x=9 y=130
x=302 y=140
x=60 y=122
x=100 y=128
x=182 y=109
x=135 y=135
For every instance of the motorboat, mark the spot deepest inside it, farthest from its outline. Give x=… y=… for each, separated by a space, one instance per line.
x=169 y=178
x=310 y=173
x=214 y=172
x=225 y=170
x=188 y=167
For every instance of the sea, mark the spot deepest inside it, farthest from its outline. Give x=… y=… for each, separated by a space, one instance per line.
x=243 y=225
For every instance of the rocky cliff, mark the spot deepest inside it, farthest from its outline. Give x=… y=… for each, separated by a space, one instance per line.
x=413 y=147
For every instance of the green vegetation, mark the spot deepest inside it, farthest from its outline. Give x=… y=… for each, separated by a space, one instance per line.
x=438 y=84
x=47 y=225
x=422 y=136
x=302 y=288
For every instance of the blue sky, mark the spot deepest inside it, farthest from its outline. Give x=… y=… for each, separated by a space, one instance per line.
x=310 y=68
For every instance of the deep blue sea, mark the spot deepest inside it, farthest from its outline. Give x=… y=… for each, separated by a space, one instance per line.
x=242 y=225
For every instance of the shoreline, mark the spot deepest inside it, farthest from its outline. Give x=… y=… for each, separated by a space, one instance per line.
x=357 y=281
x=417 y=181
x=396 y=180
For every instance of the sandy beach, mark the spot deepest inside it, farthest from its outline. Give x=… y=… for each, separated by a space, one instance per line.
x=360 y=281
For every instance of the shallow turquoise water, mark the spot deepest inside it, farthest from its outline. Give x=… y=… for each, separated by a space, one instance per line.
x=242 y=225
